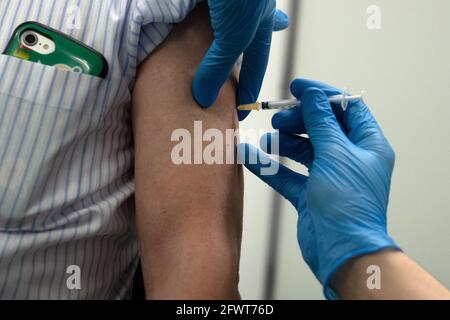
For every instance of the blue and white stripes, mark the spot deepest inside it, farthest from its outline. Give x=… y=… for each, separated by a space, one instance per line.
x=66 y=154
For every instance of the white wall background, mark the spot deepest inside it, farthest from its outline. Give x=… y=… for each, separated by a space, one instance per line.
x=405 y=70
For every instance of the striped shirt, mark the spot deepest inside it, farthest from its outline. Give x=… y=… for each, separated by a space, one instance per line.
x=66 y=153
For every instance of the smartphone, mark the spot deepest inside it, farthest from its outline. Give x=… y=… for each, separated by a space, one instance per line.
x=38 y=43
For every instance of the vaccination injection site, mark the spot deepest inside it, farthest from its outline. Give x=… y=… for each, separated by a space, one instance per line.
x=225 y=158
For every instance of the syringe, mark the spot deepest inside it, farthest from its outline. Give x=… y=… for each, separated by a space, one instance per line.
x=341 y=99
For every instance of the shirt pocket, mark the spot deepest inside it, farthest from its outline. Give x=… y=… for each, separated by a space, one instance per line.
x=49 y=86
x=44 y=113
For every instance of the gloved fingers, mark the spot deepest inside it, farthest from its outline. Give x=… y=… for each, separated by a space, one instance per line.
x=242 y=115
x=281 y=21
x=288 y=183
x=320 y=122
x=364 y=131
x=289 y=121
x=299 y=86
x=214 y=70
x=254 y=65
x=360 y=123
x=235 y=24
x=287 y=145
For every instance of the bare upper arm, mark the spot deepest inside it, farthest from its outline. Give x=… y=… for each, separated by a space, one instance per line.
x=189 y=216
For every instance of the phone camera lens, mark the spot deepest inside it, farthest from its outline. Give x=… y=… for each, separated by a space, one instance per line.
x=30 y=38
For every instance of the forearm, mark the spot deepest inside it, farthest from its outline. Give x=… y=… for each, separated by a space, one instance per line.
x=189 y=216
x=401 y=278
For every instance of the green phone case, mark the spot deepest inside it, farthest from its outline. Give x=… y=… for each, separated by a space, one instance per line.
x=69 y=54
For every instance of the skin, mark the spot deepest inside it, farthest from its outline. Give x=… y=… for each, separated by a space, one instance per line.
x=401 y=279
x=189 y=217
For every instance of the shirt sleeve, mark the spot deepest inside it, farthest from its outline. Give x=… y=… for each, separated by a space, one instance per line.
x=153 y=21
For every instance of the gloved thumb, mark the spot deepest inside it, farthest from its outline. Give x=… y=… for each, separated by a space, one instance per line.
x=281 y=21
x=320 y=122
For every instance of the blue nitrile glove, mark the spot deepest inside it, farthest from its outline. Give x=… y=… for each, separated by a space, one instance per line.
x=240 y=27
x=342 y=204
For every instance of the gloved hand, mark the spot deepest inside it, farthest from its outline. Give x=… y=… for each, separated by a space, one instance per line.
x=240 y=27
x=342 y=204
